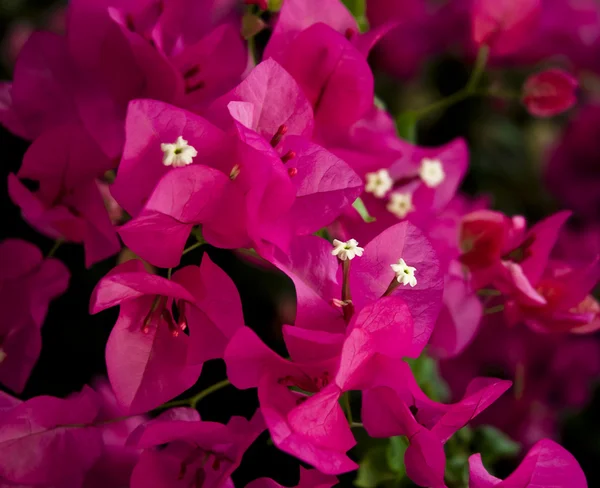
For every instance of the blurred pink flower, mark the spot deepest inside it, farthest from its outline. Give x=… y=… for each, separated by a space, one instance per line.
x=549 y=93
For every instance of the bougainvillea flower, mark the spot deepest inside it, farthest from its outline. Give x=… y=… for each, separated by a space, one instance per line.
x=180 y=450
x=402 y=181
x=546 y=464
x=309 y=478
x=277 y=101
x=207 y=305
x=333 y=74
x=217 y=311
x=423 y=29
x=149 y=357
x=568 y=305
x=549 y=93
x=240 y=182
x=395 y=405
x=243 y=192
x=281 y=114
x=504 y=25
x=167 y=53
x=28 y=283
x=297 y=15
x=501 y=250
x=41 y=94
x=314 y=428
x=115 y=465
x=68 y=204
x=40 y=446
x=318 y=280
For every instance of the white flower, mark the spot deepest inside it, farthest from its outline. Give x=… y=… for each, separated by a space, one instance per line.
x=400 y=204
x=2 y=355
x=405 y=274
x=379 y=183
x=178 y=154
x=432 y=172
x=346 y=250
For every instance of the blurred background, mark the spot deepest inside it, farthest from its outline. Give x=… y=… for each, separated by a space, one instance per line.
x=523 y=165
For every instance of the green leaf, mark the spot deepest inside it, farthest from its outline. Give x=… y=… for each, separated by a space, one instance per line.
x=406 y=124
x=358 y=8
x=395 y=454
x=494 y=444
x=374 y=469
x=359 y=206
x=274 y=5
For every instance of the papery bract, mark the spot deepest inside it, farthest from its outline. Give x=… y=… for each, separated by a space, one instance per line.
x=546 y=465
x=503 y=25
x=193 y=452
x=162 y=52
x=49 y=441
x=41 y=94
x=28 y=283
x=395 y=405
x=326 y=364
x=146 y=353
x=68 y=204
x=317 y=277
x=410 y=196
x=115 y=465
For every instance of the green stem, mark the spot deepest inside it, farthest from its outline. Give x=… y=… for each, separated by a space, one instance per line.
x=193 y=401
x=169 y=273
x=492 y=310
x=470 y=89
x=191 y=248
x=55 y=247
x=357 y=425
x=347 y=408
x=488 y=292
x=478 y=70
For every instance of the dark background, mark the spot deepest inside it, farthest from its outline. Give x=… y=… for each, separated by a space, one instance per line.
x=503 y=164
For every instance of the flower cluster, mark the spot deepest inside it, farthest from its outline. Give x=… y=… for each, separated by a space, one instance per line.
x=156 y=127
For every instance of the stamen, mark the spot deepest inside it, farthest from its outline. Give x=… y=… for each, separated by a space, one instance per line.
x=235 y=172
x=287 y=156
x=151 y=313
x=182 y=321
x=350 y=33
x=279 y=135
x=168 y=318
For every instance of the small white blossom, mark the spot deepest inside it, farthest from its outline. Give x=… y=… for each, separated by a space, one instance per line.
x=432 y=172
x=346 y=250
x=178 y=154
x=379 y=183
x=400 y=204
x=405 y=274
x=2 y=355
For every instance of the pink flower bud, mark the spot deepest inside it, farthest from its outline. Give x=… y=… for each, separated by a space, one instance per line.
x=549 y=93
